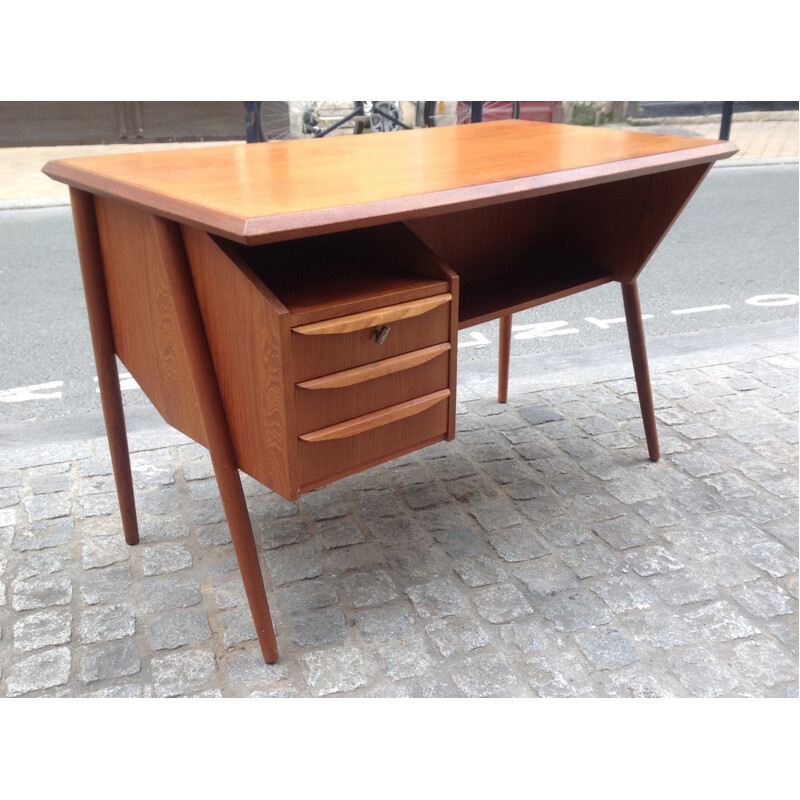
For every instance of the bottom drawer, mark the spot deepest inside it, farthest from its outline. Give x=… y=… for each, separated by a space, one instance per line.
x=331 y=453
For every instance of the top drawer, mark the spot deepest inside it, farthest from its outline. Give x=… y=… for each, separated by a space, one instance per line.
x=321 y=348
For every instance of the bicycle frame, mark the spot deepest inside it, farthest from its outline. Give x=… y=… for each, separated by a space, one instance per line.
x=364 y=108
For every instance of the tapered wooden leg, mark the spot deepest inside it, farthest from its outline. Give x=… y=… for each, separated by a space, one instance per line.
x=633 y=318
x=504 y=359
x=223 y=457
x=94 y=286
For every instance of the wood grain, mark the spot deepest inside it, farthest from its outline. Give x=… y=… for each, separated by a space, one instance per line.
x=100 y=326
x=143 y=316
x=278 y=190
x=247 y=332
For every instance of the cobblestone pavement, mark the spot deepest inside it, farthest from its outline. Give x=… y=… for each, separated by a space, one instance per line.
x=539 y=555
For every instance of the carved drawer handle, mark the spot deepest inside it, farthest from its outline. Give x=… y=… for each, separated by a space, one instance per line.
x=377 y=369
x=376 y=419
x=373 y=319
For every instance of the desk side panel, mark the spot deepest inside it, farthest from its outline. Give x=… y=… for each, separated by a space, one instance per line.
x=242 y=320
x=619 y=225
x=143 y=317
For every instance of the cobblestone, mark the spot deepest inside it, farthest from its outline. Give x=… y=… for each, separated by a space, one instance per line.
x=320 y=627
x=160 y=595
x=518 y=544
x=386 y=623
x=41 y=592
x=765 y=599
x=541 y=554
x=703 y=673
x=43 y=535
x=436 y=599
x=308 y=596
x=335 y=671
x=482 y=674
x=369 y=588
x=40 y=671
x=182 y=673
x=42 y=629
x=606 y=648
x=160 y=559
x=295 y=563
x=570 y=612
x=104 y=551
x=501 y=603
x=116 y=660
x=104 y=623
x=106 y=585
x=177 y=628
x=404 y=661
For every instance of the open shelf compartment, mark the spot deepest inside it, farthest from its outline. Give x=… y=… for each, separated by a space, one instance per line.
x=521 y=288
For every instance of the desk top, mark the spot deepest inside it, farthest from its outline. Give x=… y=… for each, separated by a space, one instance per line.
x=254 y=193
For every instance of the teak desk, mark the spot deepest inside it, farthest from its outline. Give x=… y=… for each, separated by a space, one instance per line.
x=295 y=306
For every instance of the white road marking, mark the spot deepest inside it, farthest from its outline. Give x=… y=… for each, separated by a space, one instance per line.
x=478 y=340
x=773 y=300
x=20 y=394
x=541 y=329
x=605 y=324
x=699 y=309
x=49 y=391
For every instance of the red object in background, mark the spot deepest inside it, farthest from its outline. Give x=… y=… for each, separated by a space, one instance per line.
x=541 y=110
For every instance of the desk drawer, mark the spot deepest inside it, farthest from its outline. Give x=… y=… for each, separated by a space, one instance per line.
x=324 y=401
x=337 y=450
x=338 y=344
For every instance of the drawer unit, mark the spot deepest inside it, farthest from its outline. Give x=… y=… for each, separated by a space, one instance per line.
x=317 y=383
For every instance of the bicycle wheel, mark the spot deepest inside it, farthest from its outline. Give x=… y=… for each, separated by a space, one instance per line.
x=303 y=119
x=459 y=112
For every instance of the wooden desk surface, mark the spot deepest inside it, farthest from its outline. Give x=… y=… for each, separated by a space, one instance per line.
x=255 y=193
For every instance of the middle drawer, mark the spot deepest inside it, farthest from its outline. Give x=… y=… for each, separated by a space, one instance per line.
x=324 y=401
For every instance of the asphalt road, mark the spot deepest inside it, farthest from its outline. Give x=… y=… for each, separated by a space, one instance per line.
x=731 y=259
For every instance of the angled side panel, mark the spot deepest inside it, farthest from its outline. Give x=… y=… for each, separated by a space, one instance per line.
x=619 y=225
x=143 y=317
x=242 y=321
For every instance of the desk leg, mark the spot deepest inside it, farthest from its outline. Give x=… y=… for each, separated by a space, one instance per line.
x=212 y=412
x=633 y=318
x=94 y=286
x=504 y=359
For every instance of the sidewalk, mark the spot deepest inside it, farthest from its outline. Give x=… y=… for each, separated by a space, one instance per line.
x=539 y=555
x=758 y=136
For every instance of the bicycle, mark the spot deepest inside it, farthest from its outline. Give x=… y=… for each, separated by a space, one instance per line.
x=303 y=119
